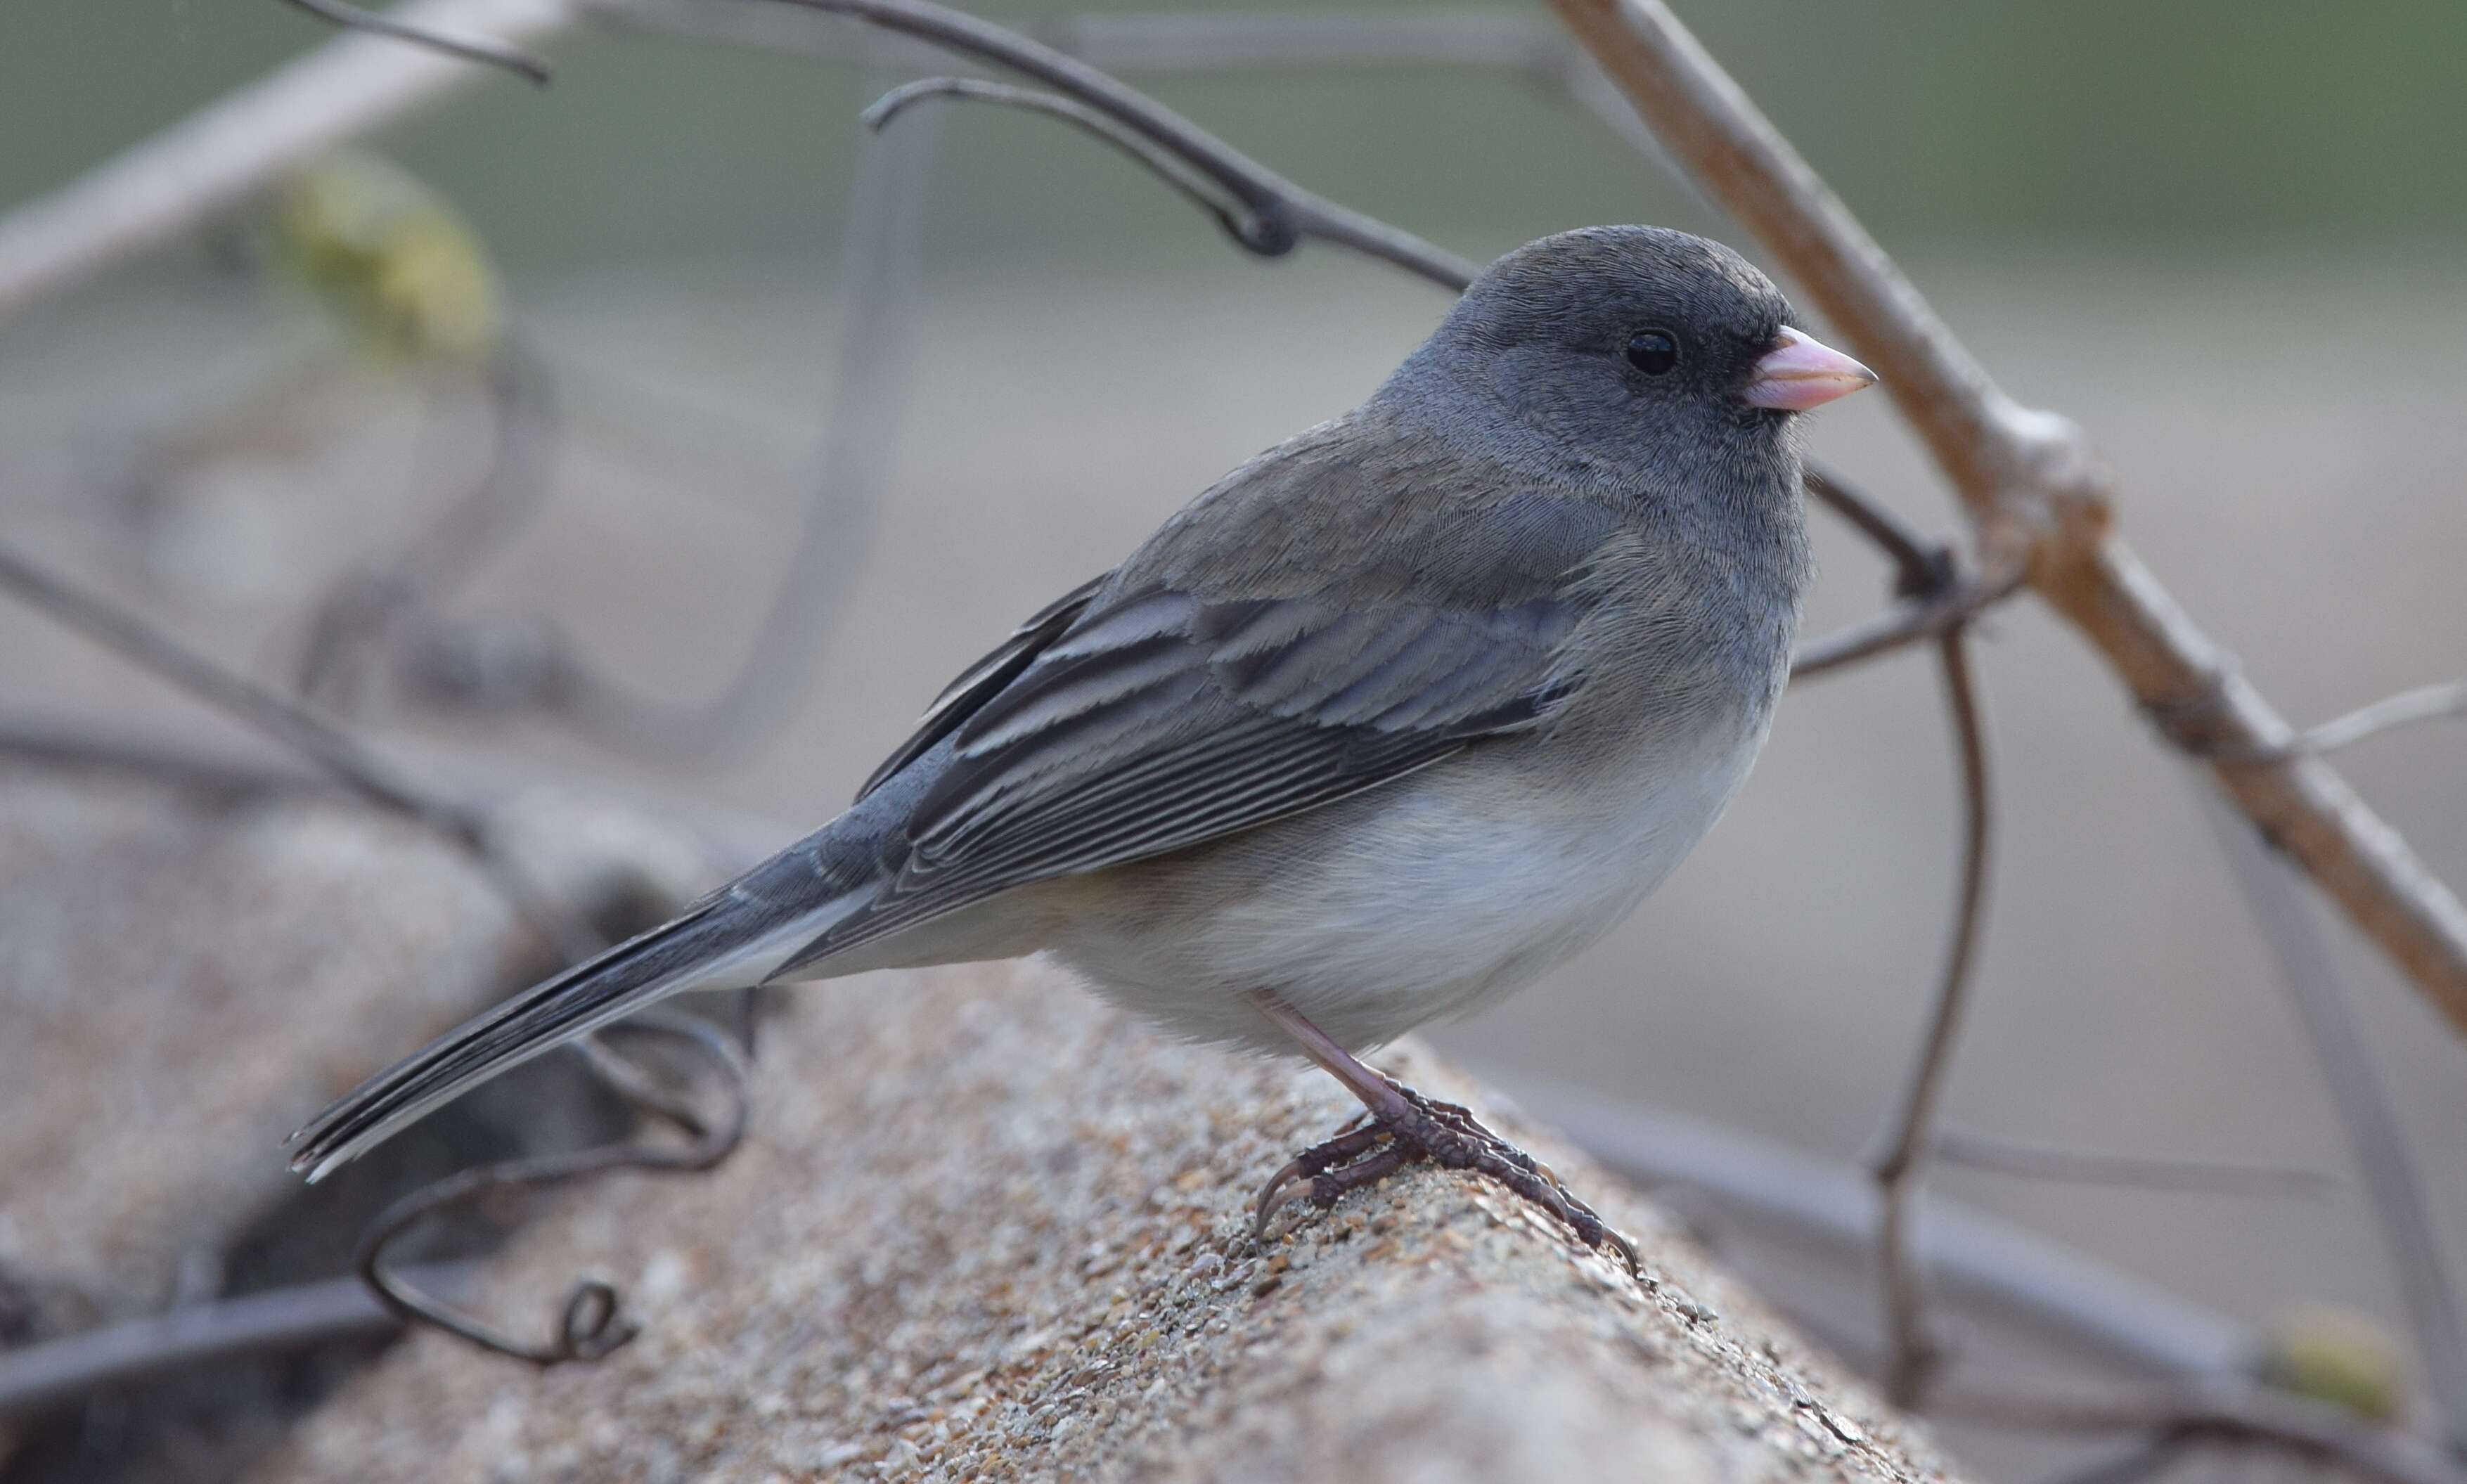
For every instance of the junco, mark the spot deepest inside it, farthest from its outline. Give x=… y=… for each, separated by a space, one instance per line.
x=1396 y=716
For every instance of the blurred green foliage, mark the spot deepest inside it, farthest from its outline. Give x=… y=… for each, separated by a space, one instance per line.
x=2191 y=124
x=402 y=276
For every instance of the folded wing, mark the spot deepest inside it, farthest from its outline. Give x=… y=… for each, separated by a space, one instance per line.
x=1158 y=720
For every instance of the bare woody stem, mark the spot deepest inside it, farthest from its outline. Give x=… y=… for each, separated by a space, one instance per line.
x=1938 y=595
x=1897 y=1173
x=1276 y=219
x=1941 y=604
x=1190 y=161
x=2034 y=489
x=2243 y=1414
x=304 y=730
x=490 y=53
x=216 y=159
x=2401 y=1210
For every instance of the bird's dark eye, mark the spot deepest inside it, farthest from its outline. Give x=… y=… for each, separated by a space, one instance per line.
x=1653 y=352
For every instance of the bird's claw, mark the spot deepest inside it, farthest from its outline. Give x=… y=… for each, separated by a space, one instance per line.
x=1448 y=1135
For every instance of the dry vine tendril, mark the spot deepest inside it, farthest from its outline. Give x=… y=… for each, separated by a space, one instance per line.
x=489 y=53
x=591 y=1322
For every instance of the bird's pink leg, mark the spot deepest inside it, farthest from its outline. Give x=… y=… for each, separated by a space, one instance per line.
x=1406 y=1127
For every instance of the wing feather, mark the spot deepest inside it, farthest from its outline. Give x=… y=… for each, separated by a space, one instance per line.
x=984 y=679
x=1157 y=720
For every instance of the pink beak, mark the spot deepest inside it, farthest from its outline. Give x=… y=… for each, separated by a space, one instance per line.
x=1802 y=372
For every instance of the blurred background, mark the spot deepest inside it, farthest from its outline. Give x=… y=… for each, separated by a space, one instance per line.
x=2223 y=236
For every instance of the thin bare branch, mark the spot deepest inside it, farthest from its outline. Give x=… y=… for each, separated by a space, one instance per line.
x=2425 y=703
x=1936 y=595
x=591 y=1322
x=218 y=157
x=1897 y=1172
x=1914 y=622
x=2148 y=1459
x=1198 y=43
x=302 y=730
x=2033 y=486
x=1921 y=568
x=2401 y=1212
x=884 y=221
x=1284 y=214
x=1974 y=1259
x=62 y=1372
x=2152 y=1172
x=491 y=54
x=1238 y=225
x=2245 y=1415
x=187 y=759
x=1270 y=213
x=1297 y=40
x=2044 y=1162
x=371 y=605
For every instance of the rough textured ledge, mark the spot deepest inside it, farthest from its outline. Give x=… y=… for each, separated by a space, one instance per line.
x=987 y=1227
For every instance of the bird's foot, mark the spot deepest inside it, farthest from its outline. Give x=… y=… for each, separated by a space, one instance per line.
x=1445 y=1134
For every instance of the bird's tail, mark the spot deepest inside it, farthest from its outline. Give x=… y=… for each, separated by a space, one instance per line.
x=715 y=946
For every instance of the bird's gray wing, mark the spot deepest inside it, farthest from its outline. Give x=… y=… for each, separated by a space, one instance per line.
x=1159 y=719
x=982 y=680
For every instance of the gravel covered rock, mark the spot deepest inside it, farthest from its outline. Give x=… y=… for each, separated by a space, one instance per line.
x=986 y=1227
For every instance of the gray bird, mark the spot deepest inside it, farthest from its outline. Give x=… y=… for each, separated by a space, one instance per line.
x=1395 y=717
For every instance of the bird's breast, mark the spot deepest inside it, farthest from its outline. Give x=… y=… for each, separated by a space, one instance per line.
x=1413 y=902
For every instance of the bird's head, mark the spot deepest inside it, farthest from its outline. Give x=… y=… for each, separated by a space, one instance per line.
x=1629 y=345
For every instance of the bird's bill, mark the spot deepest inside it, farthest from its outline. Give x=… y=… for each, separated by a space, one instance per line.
x=1802 y=372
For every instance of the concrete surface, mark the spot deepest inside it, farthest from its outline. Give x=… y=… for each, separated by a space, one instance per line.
x=987 y=1227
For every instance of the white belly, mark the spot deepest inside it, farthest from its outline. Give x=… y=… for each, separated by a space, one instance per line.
x=1405 y=905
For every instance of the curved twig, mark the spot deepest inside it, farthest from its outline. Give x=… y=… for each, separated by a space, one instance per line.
x=1244 y=226
x=2425 y=703
x=369 y=603
x=1910 y=623
x=1189 y=43
x=1921 y=568
x=884 y=223
x=2246 y=1414
x=2146 y=1460
x=2030 y=481
x=491 y=54
x=1937 y=596
x=2392 y=1187
x=1896 y=1174
x=2090 y=1167
x=1938 y=601
x=591 y=1322
x=1271 y=215
x=306 y=732
x=2440 y=702
x=57 y=1373
x=1986 y=1265
x=1286 y=215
